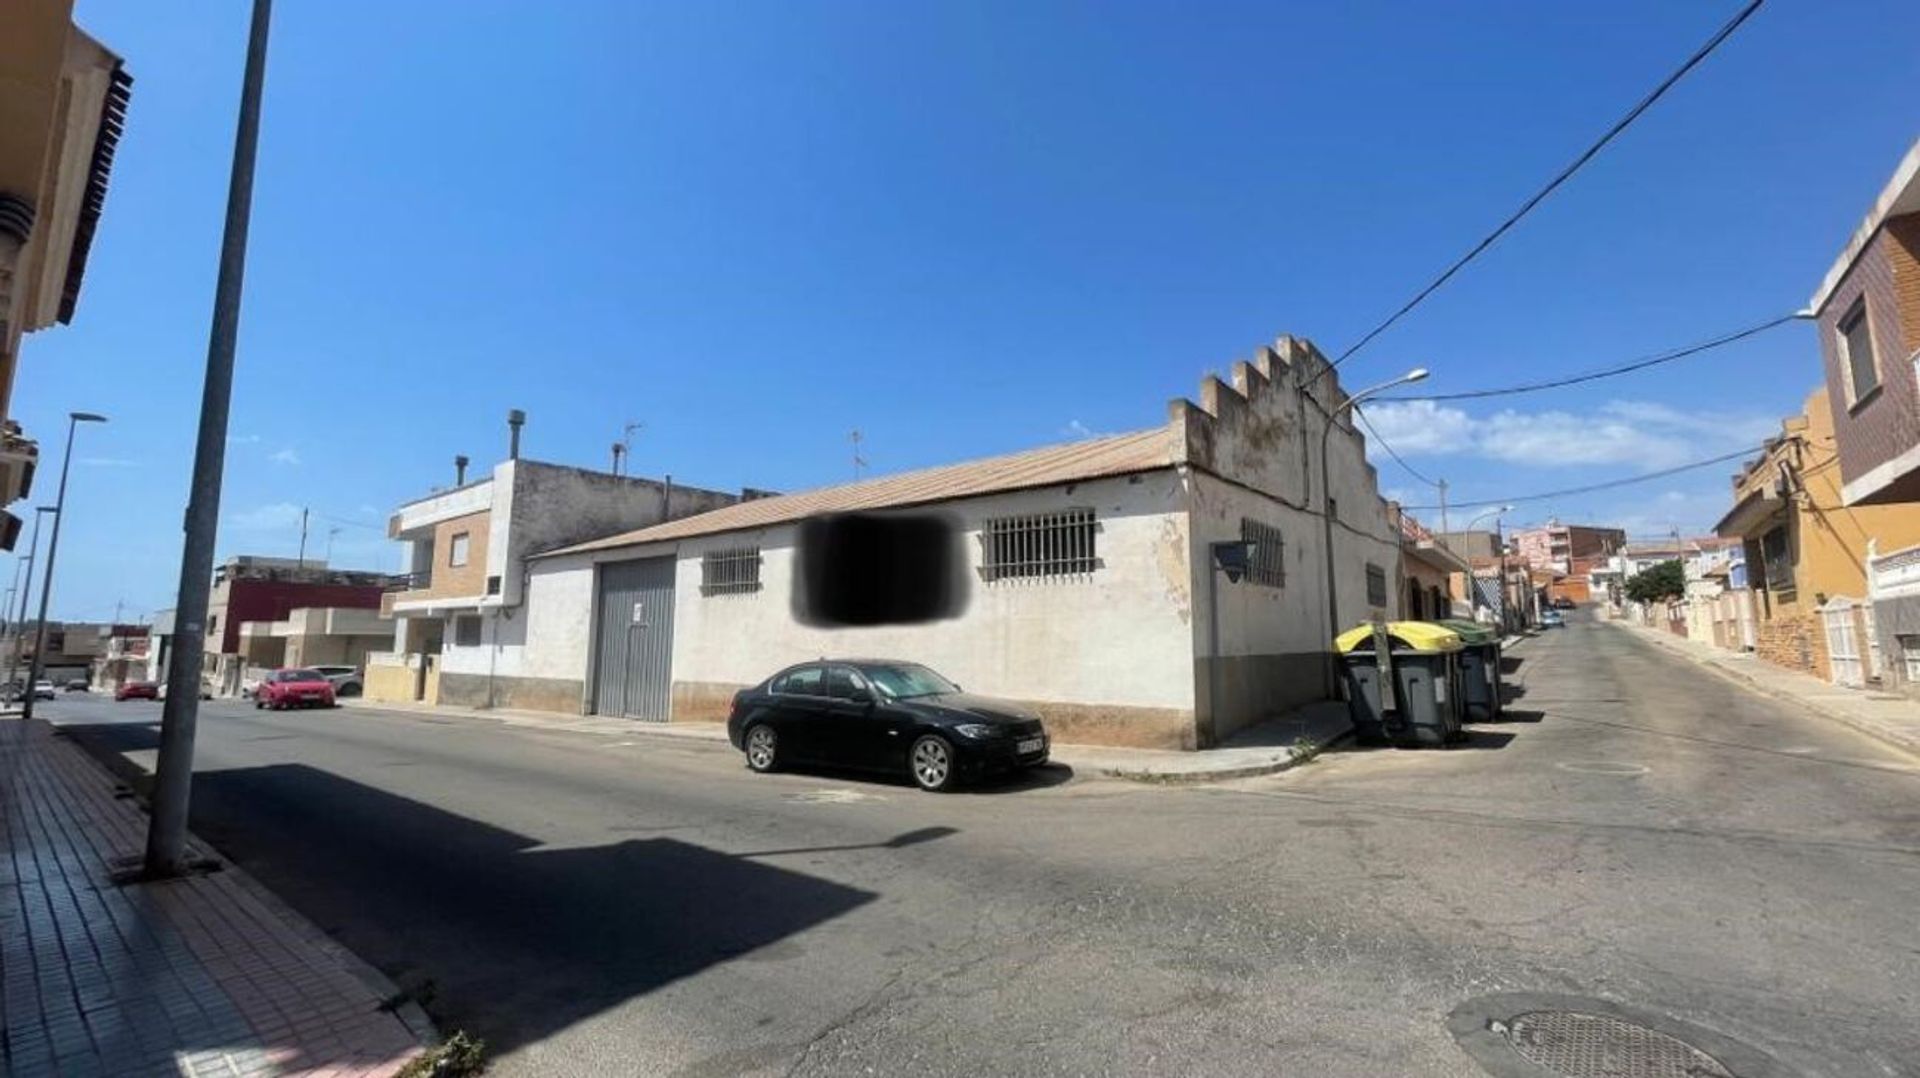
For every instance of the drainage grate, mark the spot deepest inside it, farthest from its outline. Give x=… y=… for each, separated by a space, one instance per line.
x=1599 y=1046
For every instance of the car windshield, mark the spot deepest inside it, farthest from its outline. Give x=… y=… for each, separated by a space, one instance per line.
x=300 y=675
x=907 y=680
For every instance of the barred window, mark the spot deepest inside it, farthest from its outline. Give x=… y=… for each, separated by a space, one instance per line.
x=1043 y=544
x=466 y=631
x=1267 y=563
x=1376 y=585
x=730 y=572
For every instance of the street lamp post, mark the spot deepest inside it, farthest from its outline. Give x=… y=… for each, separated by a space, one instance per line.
x=173 y=768
x=74 y=419
x=1327 y=508
x=26 y=591
x=1498 y=552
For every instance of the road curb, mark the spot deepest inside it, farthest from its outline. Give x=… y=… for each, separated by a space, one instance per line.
x=1904 y=743
x=1200 y=775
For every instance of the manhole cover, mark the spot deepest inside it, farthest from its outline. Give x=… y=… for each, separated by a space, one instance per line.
x=1598 y=1046
x=1548 y=1035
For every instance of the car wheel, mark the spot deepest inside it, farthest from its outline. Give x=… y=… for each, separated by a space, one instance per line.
x=351 y=688
x=932 y=764
x=763 y=748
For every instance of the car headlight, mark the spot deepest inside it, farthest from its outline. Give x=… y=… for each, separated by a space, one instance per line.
x=977 y=730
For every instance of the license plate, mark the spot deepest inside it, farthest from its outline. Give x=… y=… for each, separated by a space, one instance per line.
x=1032 y=744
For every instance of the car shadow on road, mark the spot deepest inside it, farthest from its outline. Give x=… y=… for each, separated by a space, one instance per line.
x=491 y=930
x=1013 y=782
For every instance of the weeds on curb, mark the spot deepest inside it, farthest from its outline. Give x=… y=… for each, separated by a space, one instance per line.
x=459 y=1056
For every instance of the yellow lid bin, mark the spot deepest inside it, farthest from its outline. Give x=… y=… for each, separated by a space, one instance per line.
x=1414 y=635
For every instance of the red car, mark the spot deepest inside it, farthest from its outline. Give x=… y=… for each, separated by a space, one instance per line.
x=293 y=688
x=137 y=690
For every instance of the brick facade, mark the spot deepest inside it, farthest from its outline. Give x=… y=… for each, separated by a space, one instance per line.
x=1795 y=641
x=451 y=581
x=1886 y=422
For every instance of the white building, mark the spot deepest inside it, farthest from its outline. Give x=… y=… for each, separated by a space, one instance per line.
x=1090 y=571
x=466 y=550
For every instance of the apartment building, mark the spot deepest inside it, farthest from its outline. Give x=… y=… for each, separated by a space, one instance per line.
x=467 y=549
x=250 y=591
x=1868 y=311
x=1806 y=552
x=1555 y=546
x=63 y=99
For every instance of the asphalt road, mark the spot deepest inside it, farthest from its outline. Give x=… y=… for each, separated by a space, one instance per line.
x=601 y=904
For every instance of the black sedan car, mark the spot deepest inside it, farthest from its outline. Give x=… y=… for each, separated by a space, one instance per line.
x=882 y=716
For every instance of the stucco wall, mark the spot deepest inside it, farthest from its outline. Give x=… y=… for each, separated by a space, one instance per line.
x=1274 y=640
x=553 y=505
x=1107 y=657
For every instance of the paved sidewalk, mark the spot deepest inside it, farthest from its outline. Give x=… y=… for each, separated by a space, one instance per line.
x=208 y=975
x=1262 y=749
x=1888 y=717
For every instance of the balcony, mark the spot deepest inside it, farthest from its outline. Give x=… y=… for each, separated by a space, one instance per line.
x=404 y=588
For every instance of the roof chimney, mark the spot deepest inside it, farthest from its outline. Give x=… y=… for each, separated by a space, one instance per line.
x=515 y=420
x=460 y=471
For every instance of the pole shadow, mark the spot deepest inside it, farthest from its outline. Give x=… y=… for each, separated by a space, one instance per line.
x=491 y=932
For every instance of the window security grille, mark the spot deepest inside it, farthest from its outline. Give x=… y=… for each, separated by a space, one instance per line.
x=730 y=572
x=1040 y=545
x=1376 y=586
x=1268 y=562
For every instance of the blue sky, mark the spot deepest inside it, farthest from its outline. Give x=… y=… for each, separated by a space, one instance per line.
x=961 y=228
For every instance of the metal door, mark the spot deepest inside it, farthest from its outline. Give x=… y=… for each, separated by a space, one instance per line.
x=633 y=639
x=1843 y=652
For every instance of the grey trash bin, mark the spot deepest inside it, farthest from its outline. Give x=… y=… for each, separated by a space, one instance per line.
x=1479 y=667
x=1423 y=708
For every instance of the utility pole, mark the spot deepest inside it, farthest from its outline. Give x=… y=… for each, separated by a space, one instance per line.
x=331 y=532
x=173 y=772
x=859 y=462
x=302 y=560
x=1442 y=484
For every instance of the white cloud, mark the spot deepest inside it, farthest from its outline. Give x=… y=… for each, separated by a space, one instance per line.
x=285 y=456
x=1078 y=430
x=243 y=439
x=366 y=509
x=1642 y=434
x=276 y=516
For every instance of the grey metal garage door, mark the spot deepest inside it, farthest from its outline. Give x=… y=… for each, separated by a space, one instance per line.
x=633 y=641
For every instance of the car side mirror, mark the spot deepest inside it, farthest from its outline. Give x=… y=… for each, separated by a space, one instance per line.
x=862 y=696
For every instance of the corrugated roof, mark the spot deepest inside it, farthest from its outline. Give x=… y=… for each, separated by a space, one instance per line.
x=1091 y=459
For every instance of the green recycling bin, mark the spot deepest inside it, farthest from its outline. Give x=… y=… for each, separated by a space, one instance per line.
x=1420 y=702
x=1479 y=667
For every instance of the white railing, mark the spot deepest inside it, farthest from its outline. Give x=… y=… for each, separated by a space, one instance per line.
x=1898 y=571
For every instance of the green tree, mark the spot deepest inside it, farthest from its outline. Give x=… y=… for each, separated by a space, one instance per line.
x=1657 y=583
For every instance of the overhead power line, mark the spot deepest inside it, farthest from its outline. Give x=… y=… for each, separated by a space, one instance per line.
x=1564 y=175
x=1609 y=485
x=1388 y=446
x=1593 y=376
